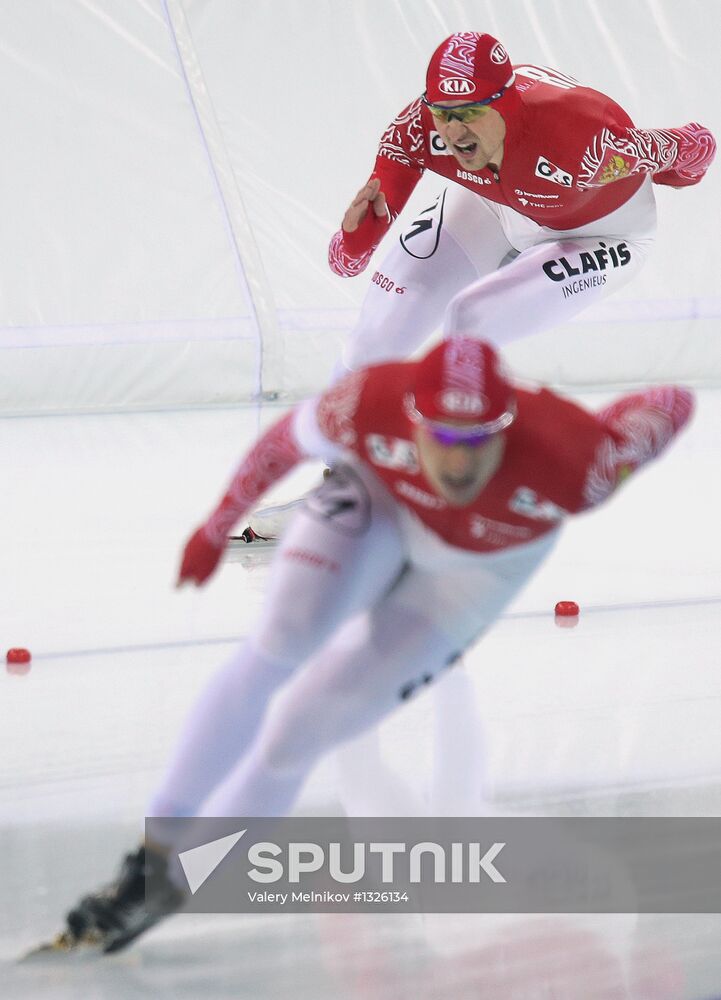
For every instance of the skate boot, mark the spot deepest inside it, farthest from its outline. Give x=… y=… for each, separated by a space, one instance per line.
x=268 y=524
x=251 y=549
x=249 y=535
x=115 y=915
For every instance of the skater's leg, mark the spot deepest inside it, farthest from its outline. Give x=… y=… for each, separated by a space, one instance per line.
x=334 y=559
x=221 y=726
x=371 y=784
x=368 y=669
x=457 y=780
x=555 y=277
x=544 y=286
x=438 y=254
x=375 y=663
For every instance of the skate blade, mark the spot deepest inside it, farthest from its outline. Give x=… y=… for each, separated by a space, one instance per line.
x=64 y=945
x=259 y=552
x=240 y=545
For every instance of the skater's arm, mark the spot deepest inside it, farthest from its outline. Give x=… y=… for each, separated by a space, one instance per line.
x=271 y=457
x=398 y=168
x=676 y=157
x=317 y=428
x=637 y=429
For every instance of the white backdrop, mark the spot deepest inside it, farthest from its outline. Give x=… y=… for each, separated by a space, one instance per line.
x=172 y=171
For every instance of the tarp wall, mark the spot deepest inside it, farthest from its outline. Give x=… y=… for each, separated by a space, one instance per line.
x=172 y=171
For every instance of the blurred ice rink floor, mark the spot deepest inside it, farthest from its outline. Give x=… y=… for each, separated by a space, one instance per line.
x=619 y=716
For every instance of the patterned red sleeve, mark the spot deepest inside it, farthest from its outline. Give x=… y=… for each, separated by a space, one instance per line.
x=274 y=454
x=403 y=142
x=399 y=165
x=343 y=260
x=674 y=156
x=640 y=427
x=337 y=408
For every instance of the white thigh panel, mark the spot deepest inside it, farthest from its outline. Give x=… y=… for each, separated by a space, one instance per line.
x=463 y=593
x=445 y=247
x=340 y=553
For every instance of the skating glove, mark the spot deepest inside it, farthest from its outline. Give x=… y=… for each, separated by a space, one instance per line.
x=200 y=558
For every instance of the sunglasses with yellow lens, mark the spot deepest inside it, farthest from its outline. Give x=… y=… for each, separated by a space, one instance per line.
x=461 y=112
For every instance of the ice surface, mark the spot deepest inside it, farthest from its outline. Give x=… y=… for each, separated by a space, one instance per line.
x=616 y=717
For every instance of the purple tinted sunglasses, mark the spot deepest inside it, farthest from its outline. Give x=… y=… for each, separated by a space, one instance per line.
x=472 y=436
x=448 y=436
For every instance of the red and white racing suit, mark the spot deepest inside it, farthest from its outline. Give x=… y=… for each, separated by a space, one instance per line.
x=570 y=212
x=378 y=585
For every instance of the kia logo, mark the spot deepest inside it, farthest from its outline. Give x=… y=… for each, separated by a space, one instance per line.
x=467 y=403
x=456 y=85
x=498 y=54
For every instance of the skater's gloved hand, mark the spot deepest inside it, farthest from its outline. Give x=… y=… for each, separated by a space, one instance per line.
x=200 y=559
x=367 y=220
x=696 y=151
x=369 y=196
